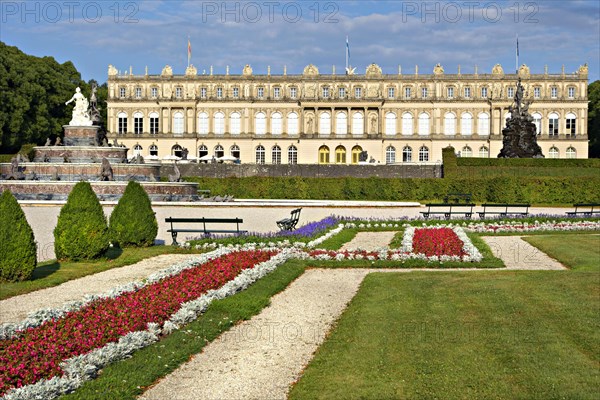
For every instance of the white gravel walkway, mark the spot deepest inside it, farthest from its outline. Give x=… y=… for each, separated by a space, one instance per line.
x=369 y=241
x=17 y=308
x=260 y=358
x=518 y=254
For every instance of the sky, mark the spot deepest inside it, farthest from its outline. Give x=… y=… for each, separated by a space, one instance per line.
x=392 y=34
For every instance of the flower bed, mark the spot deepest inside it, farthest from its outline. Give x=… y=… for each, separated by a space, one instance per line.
x=437 y=242
x=37 y=353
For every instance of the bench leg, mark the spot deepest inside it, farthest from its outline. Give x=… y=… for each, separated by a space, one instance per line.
x=174 y=236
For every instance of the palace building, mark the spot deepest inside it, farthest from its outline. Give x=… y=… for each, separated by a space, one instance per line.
x=332 y=118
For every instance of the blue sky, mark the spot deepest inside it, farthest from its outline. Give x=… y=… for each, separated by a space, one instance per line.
x=136 y=34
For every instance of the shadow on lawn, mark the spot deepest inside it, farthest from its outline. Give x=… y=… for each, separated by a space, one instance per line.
x=50 y=267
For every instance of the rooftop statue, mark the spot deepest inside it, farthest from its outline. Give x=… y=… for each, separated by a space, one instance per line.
x=80 y=116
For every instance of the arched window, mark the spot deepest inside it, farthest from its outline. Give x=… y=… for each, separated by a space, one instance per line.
x=178 y=123
x=276 y=154
x=571 y=152
x=423 y=124
x=553 y=152
x=219 y=121
x=571 y=124
x=203 y=123
x=484 y=152
x=407 y=124
x=390 y=123
x=153 y=122
x=537 y=121
x=357 y=124
x=423 y=154
x=325 y=123
x=466 y=152
x=122 y=122
x=153 y=150
x=390 y=155
x=483 y=127
x=466 y=124
x=219 y=151
x=176 y=150
x=340 y=155
x=260 y=124
x=137 y=150
x=292 y=121
x=234 y=151
x=235 y=123
x=323 y=155
x=138 y=123
x=407 y=154
x=292 y=155
x=553 y=124
x=202 y=151
x=276 y=125
x=356 y=150
x=341 y=123
x=449 y=124
x=260 y=154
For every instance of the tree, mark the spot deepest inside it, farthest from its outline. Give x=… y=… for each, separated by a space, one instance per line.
x=594 y=119
x=81 y=232
x=133 y=222
x=17 y=244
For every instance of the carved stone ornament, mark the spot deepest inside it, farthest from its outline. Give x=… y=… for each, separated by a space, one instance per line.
x=167 y=71
x=191 y=71
x=438 y=69
x=310 y=91
x=247 y=71
x=524 y=72
x=374 y=71
x=497 y=70
x=583 y=70
x=310 y=70
x=112 y=71
x=373 y=91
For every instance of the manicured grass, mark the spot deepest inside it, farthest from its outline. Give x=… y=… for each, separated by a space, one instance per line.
x=53 y=273
x=127 y=379
x=337 y=241
x=463 y=335
x=581 y=252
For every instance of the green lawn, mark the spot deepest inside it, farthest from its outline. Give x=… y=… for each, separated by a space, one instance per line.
x=53 y=273
x=468 y=335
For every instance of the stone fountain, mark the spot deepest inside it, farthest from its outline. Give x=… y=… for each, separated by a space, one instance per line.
x=85 y=154
x=519 y=138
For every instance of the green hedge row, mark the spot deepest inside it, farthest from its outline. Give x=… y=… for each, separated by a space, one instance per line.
x=535 y=190
x=528 y=162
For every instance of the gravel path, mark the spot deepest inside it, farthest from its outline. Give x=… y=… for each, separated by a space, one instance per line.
x=260 y=358
x=369 y=241
x=518 y=254
x=16 y=308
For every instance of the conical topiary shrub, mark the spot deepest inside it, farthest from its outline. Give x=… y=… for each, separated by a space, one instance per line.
x=81 y=232
x=132 y=222
x=17 y=244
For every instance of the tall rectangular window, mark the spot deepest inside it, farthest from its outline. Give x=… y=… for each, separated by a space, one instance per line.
x=122 y=124
x=391 y=93
x=138 y=93
x=178 y=92
x=122 y=92
x=510 y=92
x=325 y=92
x=342 y=92
x=260 y=93
x=407 y=93
x=484 y=93
x=154 y=92
x=424 y=93
x=467 y=93
x=571 y=125
x=138 y=125
x=554 y=92
x=203 y=93
x=358 y=92
x=571 y=92
x=153 y=125
x=219 y=93
x=536 y=92
x=236 y=92
x=450 y=92
x=293 y=92
x=276 y=92
x=553 y=126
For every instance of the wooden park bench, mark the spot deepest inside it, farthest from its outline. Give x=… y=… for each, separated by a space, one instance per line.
x=458 y=197
x=448 y=209
x=503 y=209
x=289 y=224
x=206 y=230
x=589 y=209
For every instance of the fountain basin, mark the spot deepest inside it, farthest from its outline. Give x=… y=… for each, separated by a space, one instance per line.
x=80 y=154
x=84 y=171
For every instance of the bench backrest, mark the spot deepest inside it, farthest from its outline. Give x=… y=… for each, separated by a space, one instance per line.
x=506 y=205
x=205 y=220
x=296 y=214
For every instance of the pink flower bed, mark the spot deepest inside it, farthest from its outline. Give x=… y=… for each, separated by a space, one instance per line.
x=437 y=242
x=37 y=352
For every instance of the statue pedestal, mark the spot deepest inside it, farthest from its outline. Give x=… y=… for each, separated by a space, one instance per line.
x=80 y=135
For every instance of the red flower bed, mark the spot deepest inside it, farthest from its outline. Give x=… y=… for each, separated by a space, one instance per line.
x=437 y=242
x=37 y=352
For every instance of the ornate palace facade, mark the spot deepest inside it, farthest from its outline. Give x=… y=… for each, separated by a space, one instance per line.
x=328 y=118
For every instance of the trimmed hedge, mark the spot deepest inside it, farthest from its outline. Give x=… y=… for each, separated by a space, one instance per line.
x=535 y=190
x=133 y=222
x=81 y=232
x=450 y=162
x=529 y=162
x=17 y=244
